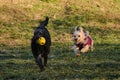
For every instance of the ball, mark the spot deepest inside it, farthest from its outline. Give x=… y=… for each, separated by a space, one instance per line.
x=41 y=41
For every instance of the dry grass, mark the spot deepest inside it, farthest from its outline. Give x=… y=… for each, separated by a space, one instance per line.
x=16 y=15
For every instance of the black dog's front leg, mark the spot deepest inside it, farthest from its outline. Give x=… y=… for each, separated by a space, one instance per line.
x=37 y=55
x=45 y=60
x=39 y=62
x=47 y=51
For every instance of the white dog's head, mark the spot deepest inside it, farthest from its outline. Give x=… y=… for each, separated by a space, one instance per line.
x=79 y=35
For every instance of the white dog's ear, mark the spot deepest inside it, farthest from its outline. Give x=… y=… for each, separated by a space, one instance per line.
x=86 y=33
x=76 y=28
x=80 y=29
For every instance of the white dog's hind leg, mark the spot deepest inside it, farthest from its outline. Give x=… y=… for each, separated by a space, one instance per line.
x=85 y=49
x=91 y=47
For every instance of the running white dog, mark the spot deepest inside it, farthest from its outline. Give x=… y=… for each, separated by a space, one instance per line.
x=82 y=41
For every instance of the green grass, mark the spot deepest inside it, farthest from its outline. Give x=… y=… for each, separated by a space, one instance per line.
x=102 y=63
x=19 y=19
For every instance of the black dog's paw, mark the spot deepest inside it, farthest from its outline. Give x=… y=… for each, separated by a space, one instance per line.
x=41 y=70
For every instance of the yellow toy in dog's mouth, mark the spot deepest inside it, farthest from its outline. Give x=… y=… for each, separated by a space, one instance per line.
x=41 y=41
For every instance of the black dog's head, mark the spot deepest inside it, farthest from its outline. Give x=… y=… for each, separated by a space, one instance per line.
x=38 y=33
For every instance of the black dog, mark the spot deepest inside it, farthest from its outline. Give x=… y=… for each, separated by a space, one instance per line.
x=41 y=51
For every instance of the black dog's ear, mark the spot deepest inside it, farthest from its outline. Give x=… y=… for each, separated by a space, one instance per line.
x=45 y=22
x=47 y=18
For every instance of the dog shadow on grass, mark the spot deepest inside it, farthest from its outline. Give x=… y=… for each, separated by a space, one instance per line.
x=103 y=62
x=15 y=52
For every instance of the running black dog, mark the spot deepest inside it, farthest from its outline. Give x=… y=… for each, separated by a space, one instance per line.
x=41 y=51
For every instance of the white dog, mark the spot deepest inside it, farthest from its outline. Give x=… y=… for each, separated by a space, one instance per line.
x=82 y=41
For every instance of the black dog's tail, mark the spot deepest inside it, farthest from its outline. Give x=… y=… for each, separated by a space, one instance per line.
x=44 y=23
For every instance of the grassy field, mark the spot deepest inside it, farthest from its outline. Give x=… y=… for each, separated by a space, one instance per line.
x=19 y=18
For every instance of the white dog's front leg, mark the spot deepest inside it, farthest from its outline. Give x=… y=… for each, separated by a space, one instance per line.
x=85 y=49
x=76 y=50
